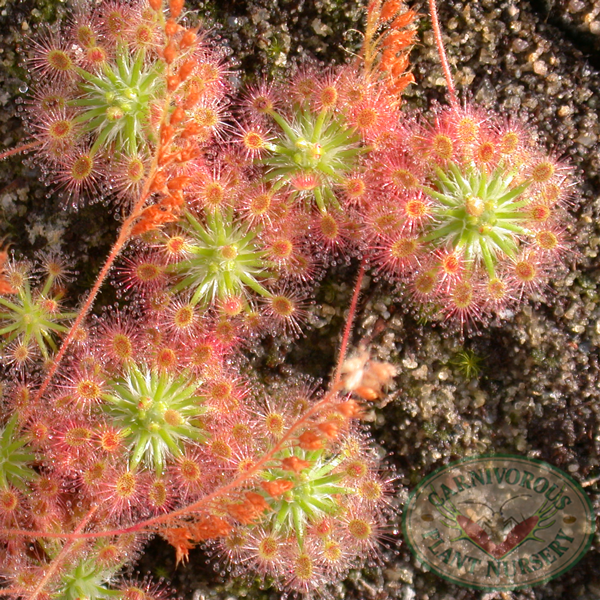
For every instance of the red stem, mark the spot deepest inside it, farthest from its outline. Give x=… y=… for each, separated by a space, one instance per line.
x=61 y=556
x=437 y=32
x=19 y=149
x=124 y=234
x=349 y=324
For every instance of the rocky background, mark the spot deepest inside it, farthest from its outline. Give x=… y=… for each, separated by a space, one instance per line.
x=528 y=385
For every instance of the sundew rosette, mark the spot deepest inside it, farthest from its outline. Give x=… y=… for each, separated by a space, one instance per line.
x=472 y=215
x=316 y=511
x=99 y=83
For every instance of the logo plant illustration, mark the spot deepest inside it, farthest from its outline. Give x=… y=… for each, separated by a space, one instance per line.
x=142 y=420
x=520 y=533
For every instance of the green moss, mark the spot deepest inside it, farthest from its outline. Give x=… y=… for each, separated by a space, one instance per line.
x=467 y=363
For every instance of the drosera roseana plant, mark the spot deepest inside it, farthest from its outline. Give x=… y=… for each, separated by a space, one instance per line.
x=469 y=216
x=31 y=317
x=480 y=210
x=249 y=246
x=139 y=421
x=311 y=135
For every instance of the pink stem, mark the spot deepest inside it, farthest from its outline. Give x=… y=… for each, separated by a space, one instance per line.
x=124 y=235
x=19 y=149
x=437 y=32
x=349 y=324
x=56 y=562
